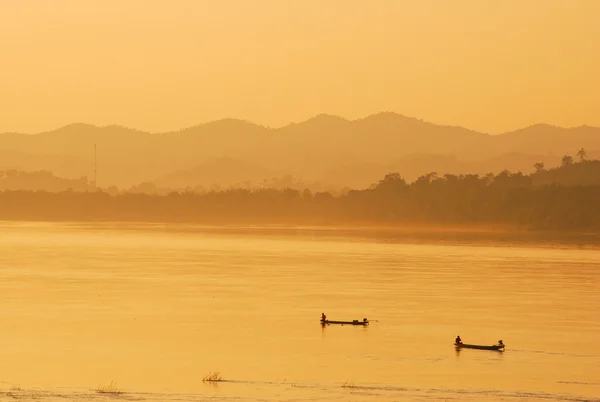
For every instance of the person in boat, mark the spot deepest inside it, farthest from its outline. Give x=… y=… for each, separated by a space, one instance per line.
x=500 y=343
x=458 y=340
x=323 y=317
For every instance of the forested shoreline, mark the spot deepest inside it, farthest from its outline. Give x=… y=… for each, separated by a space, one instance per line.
x=507 y=199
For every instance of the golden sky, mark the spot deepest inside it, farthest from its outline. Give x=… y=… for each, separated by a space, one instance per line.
x=160 y=65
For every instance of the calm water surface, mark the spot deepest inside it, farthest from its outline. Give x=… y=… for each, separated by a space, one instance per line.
x=156 y=309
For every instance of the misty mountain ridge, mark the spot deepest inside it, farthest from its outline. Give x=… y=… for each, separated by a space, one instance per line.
x=225 y=172
x=322 y=148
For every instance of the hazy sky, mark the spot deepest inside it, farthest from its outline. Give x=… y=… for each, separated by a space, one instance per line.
x=163 y=65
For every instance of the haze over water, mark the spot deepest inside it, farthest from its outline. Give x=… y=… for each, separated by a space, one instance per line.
x=157 y=308
x=456 y=142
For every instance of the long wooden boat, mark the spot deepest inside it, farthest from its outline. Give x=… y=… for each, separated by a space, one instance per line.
x=354 y=322
x=481 y=347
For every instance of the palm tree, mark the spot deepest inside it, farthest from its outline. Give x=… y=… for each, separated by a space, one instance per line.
x=582 y=154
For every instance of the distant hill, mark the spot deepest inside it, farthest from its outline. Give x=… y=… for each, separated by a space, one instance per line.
x=546 y=139
x=57 y=163
x=224 y=172
x=320 y=149
x=13 y=180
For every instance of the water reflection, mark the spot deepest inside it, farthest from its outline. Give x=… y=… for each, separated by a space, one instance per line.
x=399 y=235
x=155 y=309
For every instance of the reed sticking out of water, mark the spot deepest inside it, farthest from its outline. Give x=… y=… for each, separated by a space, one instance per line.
x=108 y=389
x=213 y=376
x=16 y=392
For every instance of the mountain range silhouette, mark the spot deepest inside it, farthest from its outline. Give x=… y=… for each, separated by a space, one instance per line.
x=325 y=148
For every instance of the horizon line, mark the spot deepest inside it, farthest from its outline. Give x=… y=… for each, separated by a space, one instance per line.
x=327 y=115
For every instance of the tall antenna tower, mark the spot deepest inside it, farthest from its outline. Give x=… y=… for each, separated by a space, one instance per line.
x=95 y=169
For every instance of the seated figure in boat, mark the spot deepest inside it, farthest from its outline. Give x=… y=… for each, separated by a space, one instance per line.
x=500 y=343
x=458 y=340
x=323 y=317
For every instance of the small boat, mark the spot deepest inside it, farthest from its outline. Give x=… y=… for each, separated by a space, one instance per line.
x=499 y=346
x=354 y=322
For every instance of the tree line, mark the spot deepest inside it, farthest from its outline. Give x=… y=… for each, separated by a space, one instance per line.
x=510 y=199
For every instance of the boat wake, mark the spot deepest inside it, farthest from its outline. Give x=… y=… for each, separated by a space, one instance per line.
x=549 y=353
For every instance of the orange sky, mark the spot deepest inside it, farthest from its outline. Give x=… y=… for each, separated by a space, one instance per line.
x=162 y=65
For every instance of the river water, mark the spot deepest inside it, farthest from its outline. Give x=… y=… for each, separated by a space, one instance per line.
x=153 y=309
